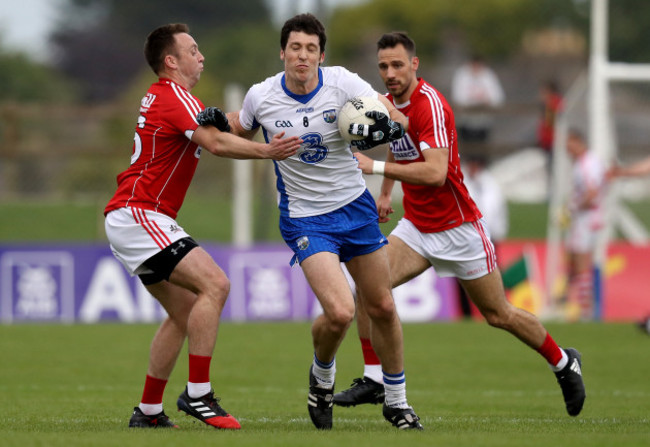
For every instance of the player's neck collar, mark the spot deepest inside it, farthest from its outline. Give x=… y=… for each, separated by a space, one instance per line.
x=406 y=103
x=303 y=99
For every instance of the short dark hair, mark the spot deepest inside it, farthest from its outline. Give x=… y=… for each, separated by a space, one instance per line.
x=161 y=42
x=577 y=133
x=552 y=85
x=308 y=24
x=391 y=40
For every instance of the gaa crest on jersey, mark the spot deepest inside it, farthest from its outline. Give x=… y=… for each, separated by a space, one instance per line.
x=329 y=116
x=302 y=242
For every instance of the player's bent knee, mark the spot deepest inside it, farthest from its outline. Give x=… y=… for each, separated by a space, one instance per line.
x=222 y=285
x=341 y=319
x=221 y=290
x=501 y=319
x=384 y=310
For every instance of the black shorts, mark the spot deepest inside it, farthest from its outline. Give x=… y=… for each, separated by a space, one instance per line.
x=163 y=263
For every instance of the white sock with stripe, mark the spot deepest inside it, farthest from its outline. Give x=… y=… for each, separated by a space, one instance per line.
x=395 y=385
x=324 y=372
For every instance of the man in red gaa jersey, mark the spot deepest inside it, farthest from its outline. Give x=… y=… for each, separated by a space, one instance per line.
x=144 y=236
x=441 y=227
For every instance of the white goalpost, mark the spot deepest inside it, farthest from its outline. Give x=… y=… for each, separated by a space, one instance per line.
x=593 y=93
x=242 y=194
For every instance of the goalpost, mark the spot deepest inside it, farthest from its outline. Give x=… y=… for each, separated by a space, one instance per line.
x=594 y=95
x=242 y=189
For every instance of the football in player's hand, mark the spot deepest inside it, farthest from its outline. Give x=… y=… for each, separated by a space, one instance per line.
x=354 y=112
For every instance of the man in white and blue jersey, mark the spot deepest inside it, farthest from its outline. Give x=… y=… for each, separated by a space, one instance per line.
x=327 y=216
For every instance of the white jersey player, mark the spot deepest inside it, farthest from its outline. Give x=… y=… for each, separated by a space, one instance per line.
x=586 y=221
x=327 y=216
x=587 y=197
x=323 y=176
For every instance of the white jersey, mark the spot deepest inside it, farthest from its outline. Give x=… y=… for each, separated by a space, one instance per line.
x=323 y=176
x=588 y=176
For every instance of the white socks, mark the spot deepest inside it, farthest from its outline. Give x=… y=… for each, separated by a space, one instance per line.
x=195 y=390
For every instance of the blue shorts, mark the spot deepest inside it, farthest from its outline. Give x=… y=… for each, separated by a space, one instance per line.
x=348 y=232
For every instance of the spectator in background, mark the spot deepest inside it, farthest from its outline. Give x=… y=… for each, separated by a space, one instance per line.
x=489 y=198
x=551 y=104
x=551 y=101
x=487 y=193
x=586 y=221
x=476 y=91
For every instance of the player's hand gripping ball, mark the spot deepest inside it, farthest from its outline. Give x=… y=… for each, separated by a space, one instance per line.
x=213 y=116
x=364 y=123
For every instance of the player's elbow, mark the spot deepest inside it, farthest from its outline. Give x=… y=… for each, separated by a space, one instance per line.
x=214 y=147
x=438 y=182
x=432 y=174
x=209 y=138
x=435 y=179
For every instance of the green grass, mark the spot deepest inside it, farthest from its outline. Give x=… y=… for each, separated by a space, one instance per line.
x=209 y=220
x=472 y=385
x=205 y=219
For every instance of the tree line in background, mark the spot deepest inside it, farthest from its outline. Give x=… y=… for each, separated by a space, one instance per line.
x=97 y=44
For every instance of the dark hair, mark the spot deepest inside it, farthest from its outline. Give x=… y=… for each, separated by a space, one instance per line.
x=161 y=42
x=477 y=58
x=479 y=159
x=391 y=40
x=552 y=85
x=576 y=133
x=308 y=24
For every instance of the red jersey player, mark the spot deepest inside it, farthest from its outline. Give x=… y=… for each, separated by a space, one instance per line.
x=144 y=235
x=441 y=227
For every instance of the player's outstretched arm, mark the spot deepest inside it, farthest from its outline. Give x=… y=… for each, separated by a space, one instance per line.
x=237 y=128
x=224 y=144
x=637 y=169
x=432 y=171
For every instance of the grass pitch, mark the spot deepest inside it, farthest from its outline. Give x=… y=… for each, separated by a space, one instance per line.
x=472 y=385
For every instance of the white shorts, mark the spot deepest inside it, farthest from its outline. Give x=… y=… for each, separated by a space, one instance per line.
x=583 y=233
x=465 y=252
x=136 y=235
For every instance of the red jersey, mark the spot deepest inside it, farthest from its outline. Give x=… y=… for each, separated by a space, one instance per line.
x=546 y=129
x=164 y=158
x=431 y=125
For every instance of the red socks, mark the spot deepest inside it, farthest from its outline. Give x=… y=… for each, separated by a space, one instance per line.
x=550 y=350
x=199 y=368
x=369 y=355
x=153 y=390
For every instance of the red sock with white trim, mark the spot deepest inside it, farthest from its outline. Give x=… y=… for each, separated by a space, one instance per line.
x=199 y=376
x=152 y=395
x=555 y=356
x=371 y=363
x=584 y=283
